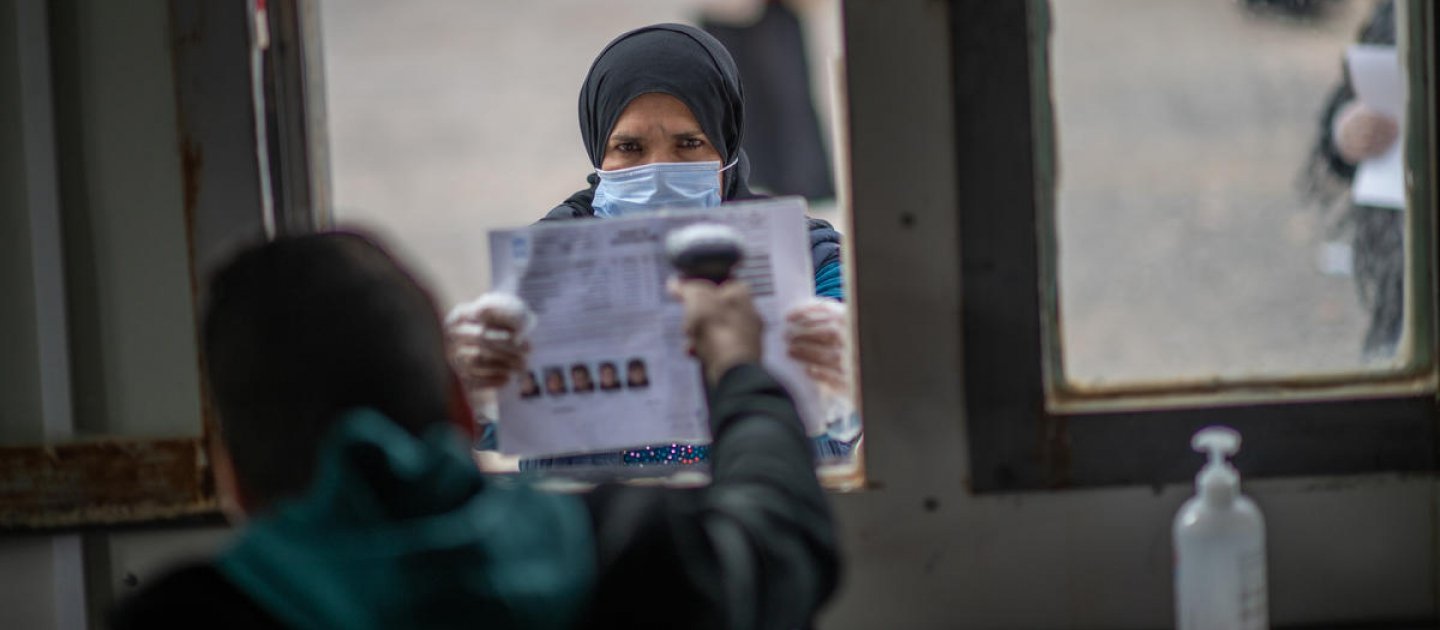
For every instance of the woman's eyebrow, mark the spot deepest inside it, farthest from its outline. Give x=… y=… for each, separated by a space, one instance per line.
x=688 y=134
x=620 y=137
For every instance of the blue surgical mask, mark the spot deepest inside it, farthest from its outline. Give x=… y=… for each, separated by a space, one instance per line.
x=650 y=187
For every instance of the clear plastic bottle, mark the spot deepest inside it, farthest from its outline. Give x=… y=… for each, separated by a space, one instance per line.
x=1219 y=546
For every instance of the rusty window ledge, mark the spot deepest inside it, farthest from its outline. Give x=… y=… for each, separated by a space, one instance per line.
x=104 y=482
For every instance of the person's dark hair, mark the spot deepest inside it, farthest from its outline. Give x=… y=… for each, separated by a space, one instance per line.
x=301 y=329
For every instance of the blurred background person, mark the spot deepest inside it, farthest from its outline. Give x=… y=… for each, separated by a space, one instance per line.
x=783 y=135
x=1350 y=132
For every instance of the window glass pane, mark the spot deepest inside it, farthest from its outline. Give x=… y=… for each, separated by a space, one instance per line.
x=450 y=118
x=1206 y=222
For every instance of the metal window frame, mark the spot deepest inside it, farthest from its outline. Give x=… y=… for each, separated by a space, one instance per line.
x=109 y=482
x=292 y=90
x=1020 y=438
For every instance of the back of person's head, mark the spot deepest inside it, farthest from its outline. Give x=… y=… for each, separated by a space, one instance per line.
x=301 y=329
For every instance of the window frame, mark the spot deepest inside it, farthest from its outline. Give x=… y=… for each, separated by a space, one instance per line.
x=1026 y=431
x=237 y=190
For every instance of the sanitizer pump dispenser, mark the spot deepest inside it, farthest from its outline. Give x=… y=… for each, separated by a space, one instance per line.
x=1219 y=546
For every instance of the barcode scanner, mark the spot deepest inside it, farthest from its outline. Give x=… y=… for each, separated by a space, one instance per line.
x=704 y=251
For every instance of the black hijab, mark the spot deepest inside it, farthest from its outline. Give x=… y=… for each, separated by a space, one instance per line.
x=682 y=61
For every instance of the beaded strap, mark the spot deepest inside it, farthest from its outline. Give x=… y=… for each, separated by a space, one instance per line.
x=683 y=454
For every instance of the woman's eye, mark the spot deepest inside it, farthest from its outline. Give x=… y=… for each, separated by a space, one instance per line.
x=627 y=147
x=692 y=143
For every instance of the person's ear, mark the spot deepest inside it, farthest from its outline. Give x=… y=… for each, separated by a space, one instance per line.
x=234 y=501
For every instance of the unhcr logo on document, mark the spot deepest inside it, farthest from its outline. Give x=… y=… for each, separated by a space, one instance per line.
x=519 y=247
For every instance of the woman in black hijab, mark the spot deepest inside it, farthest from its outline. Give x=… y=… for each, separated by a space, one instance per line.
x=689 y=65
x=661 y=115
x=671 y=59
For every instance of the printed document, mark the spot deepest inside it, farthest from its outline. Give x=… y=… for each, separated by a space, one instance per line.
x=1379 y=84
x=608 y=368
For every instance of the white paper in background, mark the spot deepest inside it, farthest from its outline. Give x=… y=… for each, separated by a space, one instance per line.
x=598 y=291
x=1379 y=84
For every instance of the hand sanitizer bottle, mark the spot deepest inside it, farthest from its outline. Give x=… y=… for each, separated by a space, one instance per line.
x=1219 y=546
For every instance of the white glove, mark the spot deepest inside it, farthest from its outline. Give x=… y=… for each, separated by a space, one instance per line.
x=488 y=339
x=817 y=335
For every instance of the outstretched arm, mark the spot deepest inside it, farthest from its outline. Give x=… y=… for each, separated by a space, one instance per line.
x=754 y=549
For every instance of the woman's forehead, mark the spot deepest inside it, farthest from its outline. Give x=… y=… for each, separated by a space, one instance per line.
x=655 y=111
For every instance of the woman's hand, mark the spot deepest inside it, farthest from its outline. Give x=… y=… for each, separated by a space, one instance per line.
x=1362 y=132
x=487 y=339
x=816 y=335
